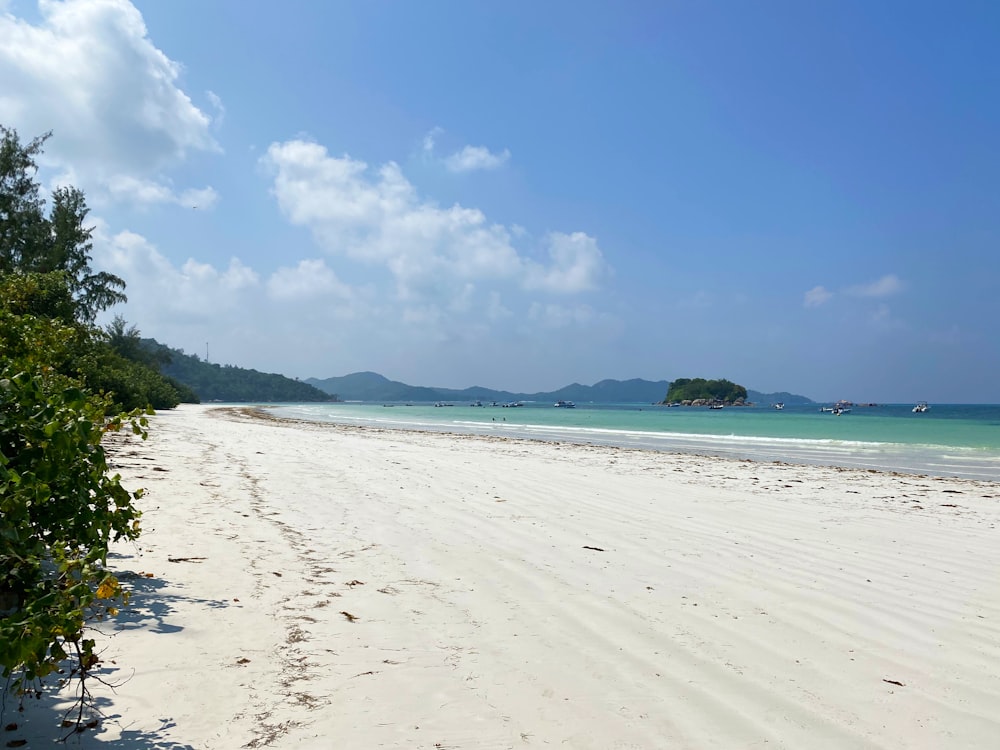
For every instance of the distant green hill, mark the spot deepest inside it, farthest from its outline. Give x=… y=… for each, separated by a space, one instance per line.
x=782 y=397
x=370 y=386
x=213 y=382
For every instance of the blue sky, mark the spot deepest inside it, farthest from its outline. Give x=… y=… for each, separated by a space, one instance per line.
x=795 y=196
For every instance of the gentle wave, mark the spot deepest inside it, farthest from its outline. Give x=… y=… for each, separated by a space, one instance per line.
x=912 y=458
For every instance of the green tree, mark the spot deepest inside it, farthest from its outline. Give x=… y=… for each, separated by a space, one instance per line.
x=68 y=249
x=30 y=241
x=22 y=224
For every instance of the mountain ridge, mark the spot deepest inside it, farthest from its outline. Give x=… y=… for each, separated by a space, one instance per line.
x=372 y=386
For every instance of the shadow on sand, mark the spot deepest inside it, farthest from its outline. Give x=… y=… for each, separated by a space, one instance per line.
x=39 y=721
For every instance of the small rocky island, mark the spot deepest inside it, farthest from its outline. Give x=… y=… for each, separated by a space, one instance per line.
x=701 y=392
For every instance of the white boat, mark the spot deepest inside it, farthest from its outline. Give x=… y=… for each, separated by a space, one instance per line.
x=565 y=404
x=779 y=406
x=921 y=408
x=841 y=407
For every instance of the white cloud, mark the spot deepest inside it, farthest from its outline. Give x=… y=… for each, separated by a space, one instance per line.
x=883 y=287
x=818 y=295
x=431 y=137
x=307 y=280
x=123 y=188
x=89 y=72
x=186 y=304
x=202 y=199
x=220 y=110
x=431 y=252
x=281 y=321
x=472 y=158
x=469 y=158
x=577 y=265
x=193 y=291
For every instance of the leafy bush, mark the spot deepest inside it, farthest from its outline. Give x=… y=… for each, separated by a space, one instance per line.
x=60 y=506
x=62 y=387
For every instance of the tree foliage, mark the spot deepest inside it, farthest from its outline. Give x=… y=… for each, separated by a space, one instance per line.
x=693 y=389
x=33 y=242
x=63 y=386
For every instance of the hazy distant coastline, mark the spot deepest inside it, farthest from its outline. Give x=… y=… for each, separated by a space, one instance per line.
x=370 y=386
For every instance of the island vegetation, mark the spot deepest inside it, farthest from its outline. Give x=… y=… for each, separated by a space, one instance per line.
x=698 y=391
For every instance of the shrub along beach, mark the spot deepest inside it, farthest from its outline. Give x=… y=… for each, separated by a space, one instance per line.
x=64 y=384
x=301 y=584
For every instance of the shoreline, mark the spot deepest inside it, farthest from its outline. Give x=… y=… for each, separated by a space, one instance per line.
x=300 y=583
x=714 y=447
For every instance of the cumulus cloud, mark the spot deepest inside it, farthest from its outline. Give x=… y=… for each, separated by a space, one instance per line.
x=377 y=217
x=576 y=265
x=818 y=295
x=192 y=291
x=469 y=158
x=307 y=280
x=883 y=287
x=142 y=192
x=91 y=64
x=472 y=158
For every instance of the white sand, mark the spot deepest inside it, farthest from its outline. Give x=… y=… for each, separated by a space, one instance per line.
x=729 y=605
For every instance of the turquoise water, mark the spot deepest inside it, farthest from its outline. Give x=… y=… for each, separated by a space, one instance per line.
x=948 y=440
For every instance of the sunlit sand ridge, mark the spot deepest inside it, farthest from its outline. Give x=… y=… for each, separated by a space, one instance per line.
x=322 y=586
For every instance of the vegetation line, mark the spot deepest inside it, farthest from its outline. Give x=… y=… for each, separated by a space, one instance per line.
x=64 y=385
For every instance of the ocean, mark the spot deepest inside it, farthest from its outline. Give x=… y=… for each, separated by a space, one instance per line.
x=948 y=440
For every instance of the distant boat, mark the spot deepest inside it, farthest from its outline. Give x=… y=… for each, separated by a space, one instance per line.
x=841 y=407
x=921 y=407
x=779 y=406
x=716 y=406
x=565 y=404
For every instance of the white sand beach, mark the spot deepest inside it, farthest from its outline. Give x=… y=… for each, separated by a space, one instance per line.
x=316 y=586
